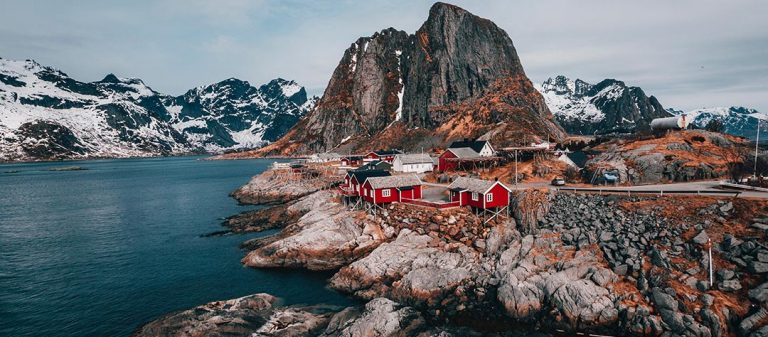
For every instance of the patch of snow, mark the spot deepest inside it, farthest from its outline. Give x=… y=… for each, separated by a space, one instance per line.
x=399 y=111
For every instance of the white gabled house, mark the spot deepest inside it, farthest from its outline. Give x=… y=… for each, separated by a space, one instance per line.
x=413 y=163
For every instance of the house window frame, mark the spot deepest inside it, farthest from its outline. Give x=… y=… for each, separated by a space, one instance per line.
x=386 y=193
x=475 y=196
x=489 y=197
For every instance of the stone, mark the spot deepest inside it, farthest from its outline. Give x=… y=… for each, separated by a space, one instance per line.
x=758 y=267
x=621 y=269
x=760 y=226
x=702 y=238
x=729 y=285
x=727 y=207
x=760 y=293
x=663 y=300
x=707 y=299
x=725 y=274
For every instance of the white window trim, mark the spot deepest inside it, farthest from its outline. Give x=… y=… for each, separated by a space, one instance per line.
x=386 y=193
x=489 y=197
x=474 y=196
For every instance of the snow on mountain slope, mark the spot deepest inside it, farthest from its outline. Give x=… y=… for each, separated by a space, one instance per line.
x=46 y=115
x=606 y=107
x=738 y=121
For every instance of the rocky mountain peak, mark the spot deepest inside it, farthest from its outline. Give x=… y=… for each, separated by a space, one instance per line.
x=110 y=78
x=457 y=69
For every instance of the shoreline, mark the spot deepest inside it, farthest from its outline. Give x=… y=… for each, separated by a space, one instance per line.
x=449 y=272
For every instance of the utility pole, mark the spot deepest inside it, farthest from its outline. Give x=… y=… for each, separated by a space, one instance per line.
x=515 y=167
x=757 y=144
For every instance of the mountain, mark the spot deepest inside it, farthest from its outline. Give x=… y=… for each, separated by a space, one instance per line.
x=458 y=76
x=47 y=115
x=609 y=106
x=737 y=121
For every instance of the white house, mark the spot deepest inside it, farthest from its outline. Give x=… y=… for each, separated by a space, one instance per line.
x=482 y=147
x=413 y=163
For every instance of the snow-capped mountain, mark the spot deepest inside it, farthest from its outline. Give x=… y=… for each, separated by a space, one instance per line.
x=738 y=121
x=45 y=114
x=609 y=106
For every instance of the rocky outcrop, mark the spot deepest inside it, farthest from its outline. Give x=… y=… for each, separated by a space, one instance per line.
x=279 y=186
x=456 y=70
x=326 y=237
x=678 y=157
x=258 y=314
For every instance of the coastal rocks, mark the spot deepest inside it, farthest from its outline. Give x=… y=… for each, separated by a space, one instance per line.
x=566 y=285
x=379 y=317
x=326 y=237
x=409 y=269
x=276 y=186
x=240 y=317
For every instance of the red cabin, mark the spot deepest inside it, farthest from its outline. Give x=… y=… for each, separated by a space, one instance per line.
x=353 y=181
x=352 y=161
x=482 y=194
x=382 y=155
x=444 y=164
x=384 y=190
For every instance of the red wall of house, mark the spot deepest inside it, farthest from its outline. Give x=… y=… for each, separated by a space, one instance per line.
x=500 y=197
x=393 y=196
x=445 y=165
x=372 y=156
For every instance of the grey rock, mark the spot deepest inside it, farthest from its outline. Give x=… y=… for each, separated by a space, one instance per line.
x=727 y=207
x=730 y=285
x=725 y=274
x=663 y=300
x=758 y=267
x=702 y=238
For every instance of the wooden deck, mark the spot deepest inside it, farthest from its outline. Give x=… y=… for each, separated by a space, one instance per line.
x=432 y=204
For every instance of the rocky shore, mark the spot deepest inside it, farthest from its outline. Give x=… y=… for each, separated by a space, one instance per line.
x=609 y=265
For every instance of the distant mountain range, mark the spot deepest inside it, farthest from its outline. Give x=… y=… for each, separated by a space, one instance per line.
x=738 y=121
x=46 y=115
x=609 y=106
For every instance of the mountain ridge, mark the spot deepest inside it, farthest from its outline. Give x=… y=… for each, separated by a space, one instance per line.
x=47 y=115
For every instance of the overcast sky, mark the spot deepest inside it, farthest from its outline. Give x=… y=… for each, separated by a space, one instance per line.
x=688 y=53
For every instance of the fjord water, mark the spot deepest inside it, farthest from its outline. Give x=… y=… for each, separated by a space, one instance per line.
x=100 y=251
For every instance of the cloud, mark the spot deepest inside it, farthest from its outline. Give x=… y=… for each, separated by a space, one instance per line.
x=686 y=52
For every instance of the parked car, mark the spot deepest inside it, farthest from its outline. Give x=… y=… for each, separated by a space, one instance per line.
x=558 y=182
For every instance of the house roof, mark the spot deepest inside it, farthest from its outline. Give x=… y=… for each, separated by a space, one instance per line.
x=415 y=158
x=476 y=145
x=331 y=155
x=354 y=157
x=394 y=181
x=375 y=164
x=474 y=185
x=465 y=152
x=386 y=152
x=362 y=175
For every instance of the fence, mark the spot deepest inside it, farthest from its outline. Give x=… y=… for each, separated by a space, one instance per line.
x=433 y=204
x=660 y=193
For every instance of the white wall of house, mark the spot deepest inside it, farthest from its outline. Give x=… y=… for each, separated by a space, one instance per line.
x=398 y=166
x=487 y=150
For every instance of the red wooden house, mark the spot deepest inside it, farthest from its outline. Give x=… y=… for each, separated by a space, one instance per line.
x=352 y=161
x=445 y=164
x=480 y=194
x=384 y=190
x=353 y=181
x=383 y=155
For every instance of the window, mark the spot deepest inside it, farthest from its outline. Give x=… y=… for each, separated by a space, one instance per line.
x=365 y=191
x=386 y=193
x=474 y=196
x=489 y=197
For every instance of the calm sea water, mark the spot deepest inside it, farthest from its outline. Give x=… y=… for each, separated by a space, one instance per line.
x=100 y=251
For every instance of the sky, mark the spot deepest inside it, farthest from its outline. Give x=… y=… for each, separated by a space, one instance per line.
x=688 y=53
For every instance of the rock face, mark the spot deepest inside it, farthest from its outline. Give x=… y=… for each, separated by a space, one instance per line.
x=679 y=156
x=47 y=115
x=325 y=238
x=609 y=106
x=259 y=314
x=457 y=69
